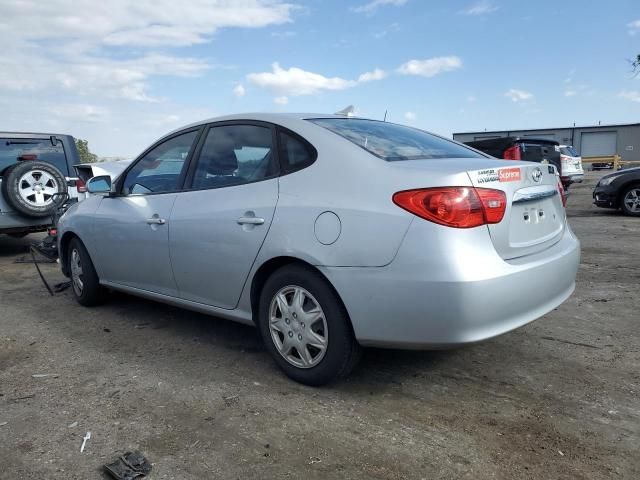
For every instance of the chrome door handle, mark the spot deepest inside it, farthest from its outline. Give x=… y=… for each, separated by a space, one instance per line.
x=250 y=221
x=156 y=221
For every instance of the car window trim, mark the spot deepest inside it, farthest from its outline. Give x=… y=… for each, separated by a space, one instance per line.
x=181 y=177
x=193 y=164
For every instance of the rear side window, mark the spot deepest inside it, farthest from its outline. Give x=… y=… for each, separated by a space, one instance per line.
x=393 y=142
x=13 y=150
x=235 y=155
x=295 y=153
x=570 y=151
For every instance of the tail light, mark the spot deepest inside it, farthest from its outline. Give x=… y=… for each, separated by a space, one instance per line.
x=512 y=153
x=563 y=194
x=81 y=187
x=458 y=207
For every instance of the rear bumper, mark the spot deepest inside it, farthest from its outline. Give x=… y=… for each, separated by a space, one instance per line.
x=14 y=223
x=573 y=178
x=467 y=296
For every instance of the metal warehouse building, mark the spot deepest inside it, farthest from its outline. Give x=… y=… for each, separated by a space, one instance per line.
x=595 y=141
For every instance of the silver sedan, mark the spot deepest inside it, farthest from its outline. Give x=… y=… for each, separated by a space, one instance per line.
x=328 y=233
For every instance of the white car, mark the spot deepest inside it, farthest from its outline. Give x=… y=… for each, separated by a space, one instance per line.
x=87 y=171
x=571 y=163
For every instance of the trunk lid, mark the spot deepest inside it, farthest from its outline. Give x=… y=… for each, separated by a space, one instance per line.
x=534 y=218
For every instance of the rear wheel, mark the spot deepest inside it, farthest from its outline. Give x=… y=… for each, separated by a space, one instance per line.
x=630 y=203
x=305 y=326
x=84 y=279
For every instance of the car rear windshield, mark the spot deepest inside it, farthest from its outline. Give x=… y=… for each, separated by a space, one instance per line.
x=13 y=150
x=393 y=142
x=570 y=151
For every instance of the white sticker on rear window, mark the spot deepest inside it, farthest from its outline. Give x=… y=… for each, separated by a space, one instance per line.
x=486 y=176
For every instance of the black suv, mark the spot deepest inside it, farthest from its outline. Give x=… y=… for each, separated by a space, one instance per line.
x=33 y=168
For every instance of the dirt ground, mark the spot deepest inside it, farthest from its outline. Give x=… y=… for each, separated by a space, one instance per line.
x=200 y=397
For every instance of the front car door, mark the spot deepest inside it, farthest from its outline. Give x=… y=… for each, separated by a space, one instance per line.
x=219 y=225
x=132 y=228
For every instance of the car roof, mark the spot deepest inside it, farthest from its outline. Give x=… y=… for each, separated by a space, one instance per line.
x=33 y=134
x=277 y=118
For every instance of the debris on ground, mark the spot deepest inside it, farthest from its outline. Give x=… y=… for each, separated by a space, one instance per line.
x=73 y=425
x=2 y=424
x=84 y=441
x=44 y=375
x=129 y=466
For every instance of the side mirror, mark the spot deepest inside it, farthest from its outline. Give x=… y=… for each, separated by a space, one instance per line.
x=100 y=185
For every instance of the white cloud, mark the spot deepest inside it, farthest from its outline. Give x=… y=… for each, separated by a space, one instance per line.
x=633 y=27
x=372 y=6
x=479 y=8
x=516 y=95
x=239 y=90
x=143 y=23
x=283 y=100
x=569 y=92
x=394 y=27
x=632 y=95
x=410 y=116
x=79 y=112
x=471 y=98
x=296 y=81
x=376 y=74
x=430 y=67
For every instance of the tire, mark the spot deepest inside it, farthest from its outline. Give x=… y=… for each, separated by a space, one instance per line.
x=312 y=366
x=630 y=201
x=85 y=284
x=29 y=187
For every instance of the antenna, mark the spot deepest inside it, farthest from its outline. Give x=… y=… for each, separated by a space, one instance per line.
x=385 y=116
x=347 y=112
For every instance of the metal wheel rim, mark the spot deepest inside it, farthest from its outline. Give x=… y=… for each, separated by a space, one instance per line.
x=632 y=200
x=298 y=327
x=37 y=187
x=76 y=272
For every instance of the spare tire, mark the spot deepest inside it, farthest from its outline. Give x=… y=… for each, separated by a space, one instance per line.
x=29 y=187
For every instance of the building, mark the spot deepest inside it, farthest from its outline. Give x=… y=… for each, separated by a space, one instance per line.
x=595 y=141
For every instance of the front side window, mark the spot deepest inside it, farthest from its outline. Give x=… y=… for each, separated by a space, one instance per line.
x=160 y=169
x=393 y=142
x=570 y=151
x=13 y=150
x=235 y=155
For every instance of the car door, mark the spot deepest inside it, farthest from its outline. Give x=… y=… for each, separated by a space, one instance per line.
x=220 y=223
x=132 y=227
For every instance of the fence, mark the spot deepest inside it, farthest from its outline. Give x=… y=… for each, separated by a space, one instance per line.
x=616 y=160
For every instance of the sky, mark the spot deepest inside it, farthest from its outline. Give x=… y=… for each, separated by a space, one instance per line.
x=120 y=73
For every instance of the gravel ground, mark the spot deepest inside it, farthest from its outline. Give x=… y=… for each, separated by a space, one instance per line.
x=200 y=397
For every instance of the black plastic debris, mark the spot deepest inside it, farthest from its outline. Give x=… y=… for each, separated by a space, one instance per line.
x=129 y=466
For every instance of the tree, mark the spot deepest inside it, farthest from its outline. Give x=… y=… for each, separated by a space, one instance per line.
x=83 y=151
x=636 y=65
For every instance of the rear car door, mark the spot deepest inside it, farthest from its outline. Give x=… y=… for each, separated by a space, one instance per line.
x=132 y=228
x=219 y=225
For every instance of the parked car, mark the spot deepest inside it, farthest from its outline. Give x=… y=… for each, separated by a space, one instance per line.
x=328 y=233
x=34 y=167
x=537 y=150
x=571 y=170
x=619 y=190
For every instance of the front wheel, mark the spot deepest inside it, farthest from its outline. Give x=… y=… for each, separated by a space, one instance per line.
x=305 y=326
x=84 y=279
x=631 y=201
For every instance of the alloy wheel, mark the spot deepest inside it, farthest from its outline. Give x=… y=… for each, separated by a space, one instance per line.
x=76 y=272
x=632 y=200
x=37 y=188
